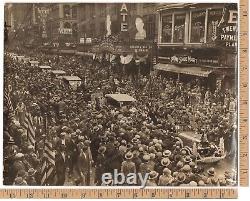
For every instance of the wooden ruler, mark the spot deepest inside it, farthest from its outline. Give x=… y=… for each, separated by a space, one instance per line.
x=163 y=193
x=168 y=193
x=243 y=112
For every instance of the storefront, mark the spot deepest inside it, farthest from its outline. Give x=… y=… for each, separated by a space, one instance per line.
x=199 y=40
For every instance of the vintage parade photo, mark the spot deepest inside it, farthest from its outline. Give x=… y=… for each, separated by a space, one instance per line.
x=120 y=94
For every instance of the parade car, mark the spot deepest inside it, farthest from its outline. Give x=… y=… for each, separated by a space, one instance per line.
x=45 y=68
x=58 y=73
x=34 y=63
x=119 y=100
x=205 y=151
x=73 y=81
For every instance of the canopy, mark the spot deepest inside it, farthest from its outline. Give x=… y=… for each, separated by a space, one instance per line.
x=121 y=97
x=84 y=53
x=72 y=78
x=45 y=67
x=58 y=72
x=189 y=70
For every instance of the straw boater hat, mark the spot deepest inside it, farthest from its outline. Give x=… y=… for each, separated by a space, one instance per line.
x=102 y=149
x=146 y=157
x=211 y=171
x=187 y=159
x=166 y=153
x=129 y=155
x=165 y=162
x=153 y=175
x=167 y=171
x=19 y=181
x=19 y=155
x=31 y=172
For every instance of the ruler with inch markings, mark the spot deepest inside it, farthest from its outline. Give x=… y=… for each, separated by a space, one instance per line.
x=168 y=192
x=149 y=193
x=243 y=97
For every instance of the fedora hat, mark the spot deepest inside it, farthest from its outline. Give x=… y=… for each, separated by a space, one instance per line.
x=165 y=162
x=153 y=175
x=129 y=155
x=181 y=177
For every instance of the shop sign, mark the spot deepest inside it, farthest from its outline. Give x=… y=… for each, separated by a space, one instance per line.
x=82 y=40
x=141 y=48
x=88 y=40
x=184 y=59
x=124 y=13
x=228 y=36
x=65 y=31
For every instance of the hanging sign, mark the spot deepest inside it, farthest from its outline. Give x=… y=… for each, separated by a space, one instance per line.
x=227 y=36
x=124 y=13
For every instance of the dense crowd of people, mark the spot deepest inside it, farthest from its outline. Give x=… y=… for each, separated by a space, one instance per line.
x=90 y=135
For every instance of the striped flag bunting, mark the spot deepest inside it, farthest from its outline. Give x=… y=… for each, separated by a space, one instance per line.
x=8 y=102
x=48 y=167
x=28 y=125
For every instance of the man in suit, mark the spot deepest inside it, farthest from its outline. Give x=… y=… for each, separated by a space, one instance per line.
x=60 y=165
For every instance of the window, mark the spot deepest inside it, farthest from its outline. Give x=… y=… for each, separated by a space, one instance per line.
x=66 y=11
x=179 y=28
x=214 y=17
x=74 y=12
x=167 y=28
x=149 y=21
x=198 y=19
x=67 y=25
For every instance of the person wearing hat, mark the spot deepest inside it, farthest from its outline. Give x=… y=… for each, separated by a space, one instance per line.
x=30 y=178
x=100 y=164
x=19 y=181
x=145 y=167
x=128 y=166
x=72 y=152
x=152 y=178
x=84 y=163
x=60 y=164
x=211 y=177
x=166 y=178
x=180 y=179
x=17 y=166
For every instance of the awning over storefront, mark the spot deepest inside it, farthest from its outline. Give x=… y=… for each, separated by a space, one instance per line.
x=84 y=53
x=197 y=71
x=68 y=51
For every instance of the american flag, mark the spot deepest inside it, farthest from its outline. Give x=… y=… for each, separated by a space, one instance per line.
x=8 y=103
x=48 y=167
x=29 y=126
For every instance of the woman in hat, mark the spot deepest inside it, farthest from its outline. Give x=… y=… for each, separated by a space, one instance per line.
x=152 y=178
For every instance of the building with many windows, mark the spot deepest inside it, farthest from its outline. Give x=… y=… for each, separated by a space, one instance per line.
x=198 y=40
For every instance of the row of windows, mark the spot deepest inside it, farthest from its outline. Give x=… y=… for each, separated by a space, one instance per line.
x=69 y=11
x=192 y=27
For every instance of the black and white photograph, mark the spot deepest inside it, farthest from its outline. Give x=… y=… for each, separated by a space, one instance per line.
x=120 y=94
